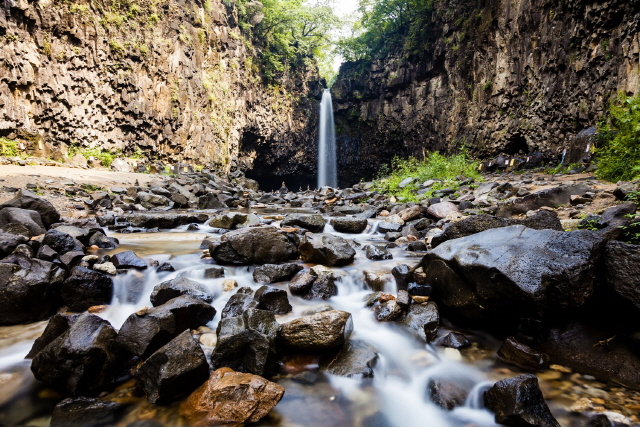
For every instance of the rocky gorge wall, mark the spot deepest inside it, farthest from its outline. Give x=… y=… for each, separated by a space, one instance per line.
x=174 y=81
x=497 y=76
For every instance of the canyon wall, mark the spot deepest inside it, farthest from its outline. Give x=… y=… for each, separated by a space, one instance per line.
x=172 y=81
x=498 y=76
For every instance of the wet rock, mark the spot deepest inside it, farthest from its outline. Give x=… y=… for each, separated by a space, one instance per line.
x=317 y=332
x=58 y=324
x=349 y=225
x=214 y=273
x=416 y=289
x=376 y=280
x=590 y=348
x=546 y=271
x=262 y=245
x=163 y=220
x=143 y=333
x=542 y=220
x=622 y=263
x=272 y=273
x=326 y=249
x=617 y=215
x=9 y=242
x=127 y=259
x=83 y=411
x=247 y=343
x=240 y=302
x=519 y=402
x=442 y=210
x=312 y=222
x=29 y=201
x=273 y=299
x=448 y=394
x=28 y=218
x=387 y=311
x=355 y=358
x=523 y=356
x=85 y=288
x=403 y=299
x=422 y=320
x=418 y=246
x=174 y=371
x=100 y=240
x=377 y=253
x=232 y=221
x=401 y=273
x=313 y=284
x=230 y=397
x=455 y=340
x=174 y=288
x=165 y=267
x=29 y=289
x=387 y=227
x=83 y=360
x=61 y=242
x=106 y=268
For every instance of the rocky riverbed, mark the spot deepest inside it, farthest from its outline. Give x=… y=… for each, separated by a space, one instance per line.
x=201 y=300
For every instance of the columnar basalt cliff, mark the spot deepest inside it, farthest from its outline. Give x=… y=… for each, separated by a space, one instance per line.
x=173 y=80
x=511 y=76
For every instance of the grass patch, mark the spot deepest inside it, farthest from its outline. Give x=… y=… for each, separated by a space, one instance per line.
x=562 y=168
x=444 y=169
x=105 y=157
x=10 y=148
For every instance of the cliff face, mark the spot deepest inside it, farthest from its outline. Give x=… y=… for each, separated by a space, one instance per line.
x=174 y=80
x=511 y=76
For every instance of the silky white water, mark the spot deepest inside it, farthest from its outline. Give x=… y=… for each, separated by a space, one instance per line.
x=327 y=167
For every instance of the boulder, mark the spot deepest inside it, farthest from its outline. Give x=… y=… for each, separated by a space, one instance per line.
x=519 y=402
x=174 y=371
x=377 y=253
x=387 y=311
x=423 y=320
x=28 y=218
x=9 y=242
x=552 y=197
x=261 y=245
x=143 y=333
x=355 y=358
x=85 y=288
x=545 y=272
x=127 y=259
x=83 y=360
x=454 y=340
x=100 y=240
x=174 y=288
x=349 y=225
x=314 y=284
x=401 y=273
x=514 y=352
x=617 y=215
x=317 y=332
x=542 y=220
x=622 y=261
x=272 y=273
x=448 y=394
x=326 y=249
x=312 y=222
x=408 y=214
x=442 y=210
x=58 y=325
x=233 y=221
x=624 y=188
x=29 y=289
x=85 y=411
x=29 y=201
x=240 y=302
x=273 y=299
x=154 y=201
x=230 y=397
x=247 y=343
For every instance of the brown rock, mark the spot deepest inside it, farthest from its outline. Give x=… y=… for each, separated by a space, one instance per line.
x=230 y=398
x=441 y=210
x=317 y=332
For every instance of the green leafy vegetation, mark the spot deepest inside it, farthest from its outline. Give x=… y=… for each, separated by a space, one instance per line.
x=10 y=148
x=562 y=168
x=618 y=149
x=106 y=157
x=631 y=232
x=444 y=169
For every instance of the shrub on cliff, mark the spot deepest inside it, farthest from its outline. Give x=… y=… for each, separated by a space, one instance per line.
x=444 y=169
x=618 y=135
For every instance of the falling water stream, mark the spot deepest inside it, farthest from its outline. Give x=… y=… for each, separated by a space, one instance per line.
x=397 y=395
x=327 y=166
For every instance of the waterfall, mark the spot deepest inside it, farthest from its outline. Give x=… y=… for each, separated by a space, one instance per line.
x=327 y=168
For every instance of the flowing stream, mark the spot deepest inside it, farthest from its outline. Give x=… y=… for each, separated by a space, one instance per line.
x=397 y=395
x=327 y=167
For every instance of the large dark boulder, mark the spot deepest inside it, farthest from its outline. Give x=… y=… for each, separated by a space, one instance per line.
x=552 y=197
x=9 y=242
x=143 y=333
x=27 y=200
x=616 y=216
x=622 y=263
x=260 y=245
x=83 y=360
x=542 y=220
x=247 y=343
x=314 y=284
x=326 y=249
x=128 y=259
x=28 y=218
x=240 y=302
x=355 y=358
x=518 y=402
x=514 y=352
x=317 y=332
x=514 y=272
x=29 y=289
x=594 y=349
x=86 y=411
x=58 y=325
x=174 y=288
x=349 y=225
x=312 y=222
x=272 y=273
x=422 y=320
x=174 y=371
x=85 y=288
x=273 y=299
